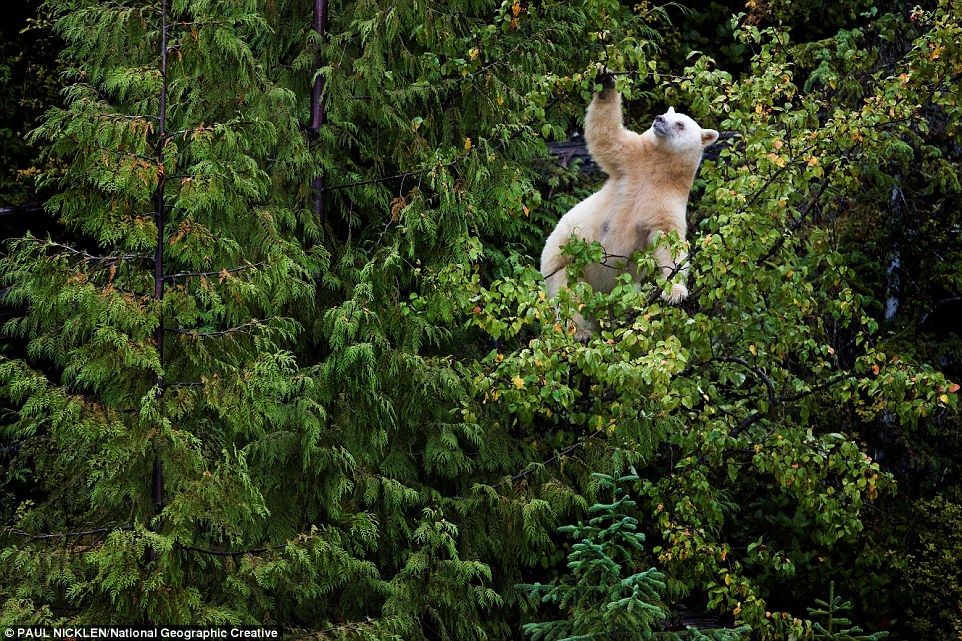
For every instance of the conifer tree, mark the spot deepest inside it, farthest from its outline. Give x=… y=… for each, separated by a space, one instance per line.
x=175 y=440
x=603 y=603
x=436 y=119
x=836 y=626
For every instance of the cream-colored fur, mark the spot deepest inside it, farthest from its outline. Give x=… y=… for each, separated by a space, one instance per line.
x=649 y=178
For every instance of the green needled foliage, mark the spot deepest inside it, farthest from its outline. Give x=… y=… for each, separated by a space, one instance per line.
x=604 y=599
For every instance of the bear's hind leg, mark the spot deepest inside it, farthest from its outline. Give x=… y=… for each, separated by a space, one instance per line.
x=669 y=261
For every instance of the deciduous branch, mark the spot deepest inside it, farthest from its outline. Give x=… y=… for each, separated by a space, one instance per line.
x=779 y=400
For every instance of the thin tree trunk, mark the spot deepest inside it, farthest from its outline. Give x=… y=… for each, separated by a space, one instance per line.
x=158 y=474
x=317 y=108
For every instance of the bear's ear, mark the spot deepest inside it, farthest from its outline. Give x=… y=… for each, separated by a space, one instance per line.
x=671 y=110
x=708 y=136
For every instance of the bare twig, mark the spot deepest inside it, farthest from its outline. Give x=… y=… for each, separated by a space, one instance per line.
x=70 y=535
x=533 y=467
x=193 y=548
x=217 y=273
x=241 y=329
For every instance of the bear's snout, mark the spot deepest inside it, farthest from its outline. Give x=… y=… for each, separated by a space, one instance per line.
x=660 y=125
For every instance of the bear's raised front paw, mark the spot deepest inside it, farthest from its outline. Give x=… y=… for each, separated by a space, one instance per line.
x=677 y=293
x=605 y=78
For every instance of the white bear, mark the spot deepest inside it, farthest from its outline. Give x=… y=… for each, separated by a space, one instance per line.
x=649 y=178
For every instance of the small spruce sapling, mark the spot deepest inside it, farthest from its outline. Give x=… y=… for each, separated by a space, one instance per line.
x=600 y=601
x=837 y=627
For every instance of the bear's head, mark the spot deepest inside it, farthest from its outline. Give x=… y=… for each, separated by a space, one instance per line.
x=681 y=133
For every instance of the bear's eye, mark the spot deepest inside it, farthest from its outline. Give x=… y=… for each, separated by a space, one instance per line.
x=680 y=125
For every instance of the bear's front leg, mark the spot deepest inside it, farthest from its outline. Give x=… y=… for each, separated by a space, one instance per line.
x=609 y=143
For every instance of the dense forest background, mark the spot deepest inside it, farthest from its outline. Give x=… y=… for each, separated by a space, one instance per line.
x=276 y=351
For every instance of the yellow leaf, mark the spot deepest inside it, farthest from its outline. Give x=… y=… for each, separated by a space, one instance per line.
x=944 y=398
x=518 y=382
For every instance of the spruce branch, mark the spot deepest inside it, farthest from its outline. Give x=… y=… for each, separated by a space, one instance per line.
x=838 y=627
